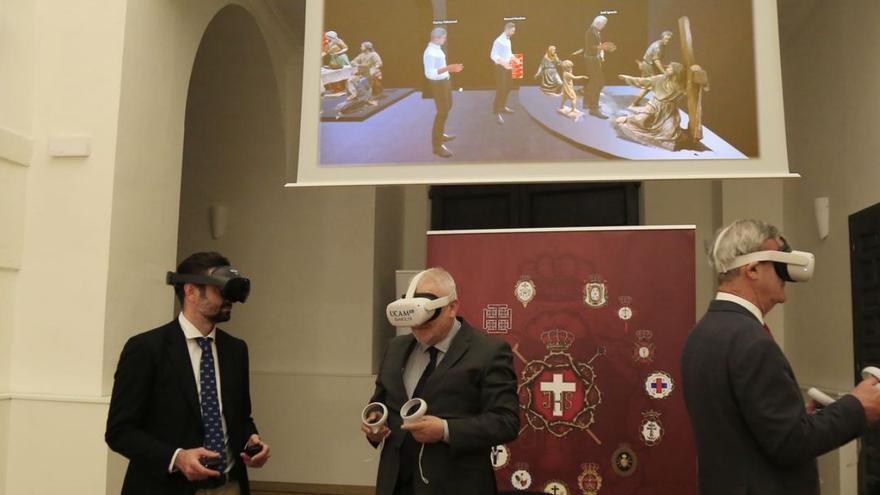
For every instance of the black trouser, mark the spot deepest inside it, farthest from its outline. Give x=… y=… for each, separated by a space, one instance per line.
x=408 y=469
x=442 y=91
x=595 y=84
x=503 y=80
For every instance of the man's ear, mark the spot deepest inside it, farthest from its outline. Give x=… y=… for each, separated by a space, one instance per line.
x=751 y=270
x=453 y=307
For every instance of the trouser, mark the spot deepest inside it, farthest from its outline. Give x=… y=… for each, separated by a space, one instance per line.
x=503 y=80
x=442 y=91
x=595 y=84
x=231 y=488
x=407 y=473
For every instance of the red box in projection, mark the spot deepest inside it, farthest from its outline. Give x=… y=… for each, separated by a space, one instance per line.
x=597 y=319
x=517 y=65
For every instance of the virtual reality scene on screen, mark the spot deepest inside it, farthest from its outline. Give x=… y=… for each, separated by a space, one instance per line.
x=536 y=81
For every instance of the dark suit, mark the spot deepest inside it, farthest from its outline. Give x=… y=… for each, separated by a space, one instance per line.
x=593 y=88
x=474 y=389
x=752 y=431
x=155 y=408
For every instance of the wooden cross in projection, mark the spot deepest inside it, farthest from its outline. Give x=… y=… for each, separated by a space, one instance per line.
x=697 y=81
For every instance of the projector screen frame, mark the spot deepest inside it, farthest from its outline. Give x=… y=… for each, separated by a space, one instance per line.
x=772 y=162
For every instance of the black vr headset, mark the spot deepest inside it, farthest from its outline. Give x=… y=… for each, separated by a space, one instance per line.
x=233 y=287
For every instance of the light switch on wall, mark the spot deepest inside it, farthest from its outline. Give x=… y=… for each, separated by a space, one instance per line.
x=70 y=146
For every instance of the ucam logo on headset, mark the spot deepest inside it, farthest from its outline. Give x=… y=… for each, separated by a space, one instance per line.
x=415 y=309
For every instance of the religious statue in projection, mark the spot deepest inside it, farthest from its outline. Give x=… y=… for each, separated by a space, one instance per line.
x=652 y=62
x=548 y=73
x=335 y=51
x=658 y=122
x=568 y=92
x=367 y=64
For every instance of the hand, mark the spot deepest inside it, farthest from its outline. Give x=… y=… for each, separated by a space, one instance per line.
x=377 y=437
x=869 y=395
x=260 y=459
x=812 y=406
x=429 y=429
x=455 y=68
x=189 y=463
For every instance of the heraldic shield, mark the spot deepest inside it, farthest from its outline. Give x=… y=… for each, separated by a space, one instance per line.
x=557 y=393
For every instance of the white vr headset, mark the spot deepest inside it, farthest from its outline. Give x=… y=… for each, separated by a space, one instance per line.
x=415 y=308
x=791 y=266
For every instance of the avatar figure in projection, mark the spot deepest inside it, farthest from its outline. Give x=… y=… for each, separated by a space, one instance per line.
x=502 y=56
x=548 y=73
x=437 y=72
x=651 y=63
x=594 y=55
x=336 y=51
x=367 y=64
x=568 y=92
x=658 y=122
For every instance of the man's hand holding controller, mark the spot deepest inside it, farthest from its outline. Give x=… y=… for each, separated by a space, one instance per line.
x=382 y=432
x=192 y=463
x=868 y=393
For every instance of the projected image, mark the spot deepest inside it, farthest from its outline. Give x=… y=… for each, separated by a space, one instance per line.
x=509 y=81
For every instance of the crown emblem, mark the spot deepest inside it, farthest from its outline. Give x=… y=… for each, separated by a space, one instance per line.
x=557 y=340
x=644 y=335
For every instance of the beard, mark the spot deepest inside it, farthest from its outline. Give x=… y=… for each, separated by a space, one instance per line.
x=222 y=315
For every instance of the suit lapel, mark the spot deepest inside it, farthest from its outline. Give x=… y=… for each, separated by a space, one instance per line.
x=399 y=364
x=224 y=356
x=457 y=349
x=179 y=353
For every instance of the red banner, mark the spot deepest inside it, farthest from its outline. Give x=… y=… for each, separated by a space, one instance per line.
x=597 y=320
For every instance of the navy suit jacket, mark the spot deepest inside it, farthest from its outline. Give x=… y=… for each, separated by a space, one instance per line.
x=753 y=433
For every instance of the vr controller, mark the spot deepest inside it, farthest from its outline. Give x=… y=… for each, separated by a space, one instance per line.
x=825 y=399
x=413 y=410
x=376 y=423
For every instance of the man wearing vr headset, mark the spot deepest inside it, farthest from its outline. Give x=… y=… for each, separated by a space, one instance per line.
x=181 y=406
x=753 y=432
x=468 y=382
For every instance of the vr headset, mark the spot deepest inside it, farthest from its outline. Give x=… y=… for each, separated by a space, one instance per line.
x=233 y=287
x=791 y=266
x=416 y=308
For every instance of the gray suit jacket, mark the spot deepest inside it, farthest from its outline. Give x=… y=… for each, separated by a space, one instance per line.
x=474 y=389
x=753 y=434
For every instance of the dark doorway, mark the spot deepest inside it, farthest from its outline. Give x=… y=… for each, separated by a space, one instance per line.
x=864 y=238
x=534 y=206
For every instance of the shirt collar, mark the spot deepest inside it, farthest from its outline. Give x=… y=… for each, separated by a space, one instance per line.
x=443 y=345
x=191 y=332
x=434 y=46
x=726 y=296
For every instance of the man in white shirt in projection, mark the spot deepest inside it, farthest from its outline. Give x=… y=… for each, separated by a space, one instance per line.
x=437 y=72
x=502 y=56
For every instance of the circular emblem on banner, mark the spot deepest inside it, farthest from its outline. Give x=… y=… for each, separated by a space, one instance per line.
x=556 y=487
x=525 y=291
x=624 y=461
x=651 y=429
x=659 y=385
x=521 y=479
x=589 y=481
x=625 y=313
x=500 y=456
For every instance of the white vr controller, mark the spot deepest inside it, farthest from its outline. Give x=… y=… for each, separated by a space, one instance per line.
x=376 y=423
x=413 y=410
x=825 y=399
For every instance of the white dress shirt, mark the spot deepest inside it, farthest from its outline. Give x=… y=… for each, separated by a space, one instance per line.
x=418 y=361
x=191 y=333
x=434 y=59
x=502 y=52
x=726 y=296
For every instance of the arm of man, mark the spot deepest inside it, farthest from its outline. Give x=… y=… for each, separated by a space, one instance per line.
x=249 y=427
x=129 y=403
x=495 y=54
x=772 y=406
x=498 y=422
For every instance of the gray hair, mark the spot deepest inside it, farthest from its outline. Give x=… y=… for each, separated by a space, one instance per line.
x=368 y=45
x=666 y=33
x=438 y=32
x=599 y=19
x=737 y=239
x=442 y=278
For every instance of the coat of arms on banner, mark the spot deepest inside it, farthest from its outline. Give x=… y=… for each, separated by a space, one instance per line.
x=525 y=291
x=643 y=351
x=590 y=481
x=497 y=319
x=596 y=293
x=557 y=393
x=651 y=429
x=625 y=312
x=659 y=385
x=556 y=487
x=500 y=456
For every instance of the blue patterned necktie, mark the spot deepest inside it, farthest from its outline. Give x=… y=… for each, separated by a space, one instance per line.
x=211 y=419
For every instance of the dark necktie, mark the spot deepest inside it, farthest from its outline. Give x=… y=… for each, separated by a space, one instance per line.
x=211 y=419
x=433 y=351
